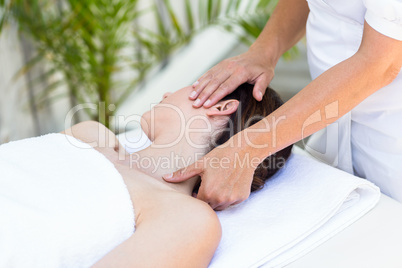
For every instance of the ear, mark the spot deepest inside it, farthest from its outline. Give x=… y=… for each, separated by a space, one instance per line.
x=226 y=107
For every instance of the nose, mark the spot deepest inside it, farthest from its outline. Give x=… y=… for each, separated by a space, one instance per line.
x=167 y=94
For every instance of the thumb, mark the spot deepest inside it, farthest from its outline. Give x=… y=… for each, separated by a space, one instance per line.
x=184 y=173
x=260 y=87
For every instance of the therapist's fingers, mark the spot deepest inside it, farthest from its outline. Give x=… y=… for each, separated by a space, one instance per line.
x=222 y=207
x=207 y=196
x=203 y=81
x=185 y=173
x=218 y=198
x=216 y=204
x=229 y=202
x=211 y=86
x=261 y=85
x=225 y=88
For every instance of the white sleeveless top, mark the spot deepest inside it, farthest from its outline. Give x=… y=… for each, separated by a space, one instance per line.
x=367 y=141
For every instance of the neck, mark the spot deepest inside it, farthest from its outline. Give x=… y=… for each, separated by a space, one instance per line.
x=159 y=159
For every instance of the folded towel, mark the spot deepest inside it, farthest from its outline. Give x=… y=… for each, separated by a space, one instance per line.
x=62 y=204
x=303 y=205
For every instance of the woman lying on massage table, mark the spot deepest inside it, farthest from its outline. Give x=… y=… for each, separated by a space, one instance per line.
x=173 y=229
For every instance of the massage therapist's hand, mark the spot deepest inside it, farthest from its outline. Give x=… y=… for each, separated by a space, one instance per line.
x=224 y=180
x=253 y=66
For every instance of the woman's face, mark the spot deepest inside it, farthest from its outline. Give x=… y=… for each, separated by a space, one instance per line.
x=171 y=114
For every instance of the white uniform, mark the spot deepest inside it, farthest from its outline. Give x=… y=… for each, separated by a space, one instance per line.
x=367 y=141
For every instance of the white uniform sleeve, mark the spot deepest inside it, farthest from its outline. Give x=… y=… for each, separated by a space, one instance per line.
x=385 y=16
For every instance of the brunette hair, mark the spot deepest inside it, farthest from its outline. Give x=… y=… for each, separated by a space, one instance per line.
x=249 y=112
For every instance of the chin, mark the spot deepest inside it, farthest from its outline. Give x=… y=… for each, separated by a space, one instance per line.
x=146 y=124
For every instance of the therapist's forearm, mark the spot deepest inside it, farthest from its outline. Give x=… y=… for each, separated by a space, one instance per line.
x=285 y=28
x=326 y=99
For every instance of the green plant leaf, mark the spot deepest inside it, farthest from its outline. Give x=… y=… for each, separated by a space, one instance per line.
x=209 y=10
x=189 y=16
x=173 y=18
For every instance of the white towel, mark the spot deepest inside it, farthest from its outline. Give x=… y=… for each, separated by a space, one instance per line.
x=303 y=205
x=62 y=204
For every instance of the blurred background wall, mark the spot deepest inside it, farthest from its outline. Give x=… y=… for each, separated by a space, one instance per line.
x=19 y=119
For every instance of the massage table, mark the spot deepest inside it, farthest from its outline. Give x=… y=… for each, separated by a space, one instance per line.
x=375 y=240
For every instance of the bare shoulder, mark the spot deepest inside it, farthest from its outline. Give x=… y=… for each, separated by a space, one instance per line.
x=176 y=230
x=191 y=226
x=180 y=207
x=89 y=132
x=95 y=134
